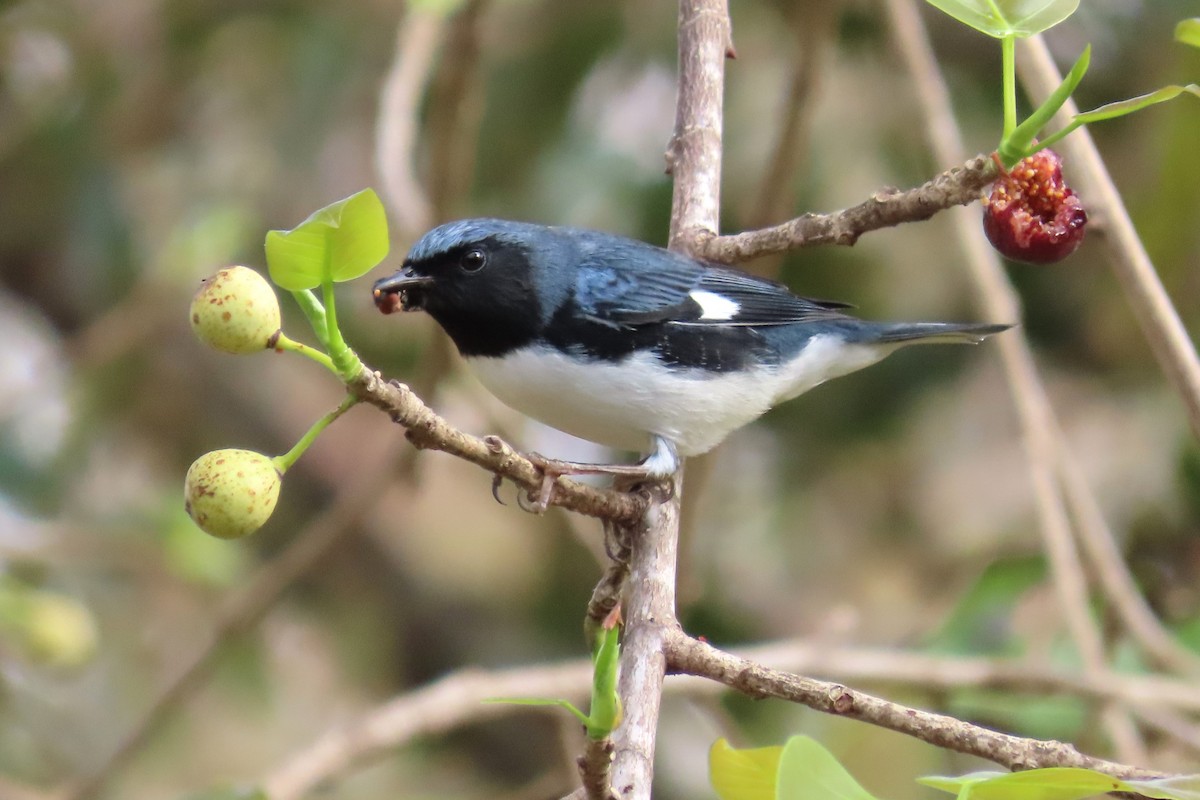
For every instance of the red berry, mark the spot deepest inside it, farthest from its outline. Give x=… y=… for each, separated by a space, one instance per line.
x=1032 y=215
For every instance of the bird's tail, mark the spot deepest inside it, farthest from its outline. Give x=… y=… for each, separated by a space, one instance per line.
x=936 y=332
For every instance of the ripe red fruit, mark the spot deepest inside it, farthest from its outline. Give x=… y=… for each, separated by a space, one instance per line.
x=1032 y=215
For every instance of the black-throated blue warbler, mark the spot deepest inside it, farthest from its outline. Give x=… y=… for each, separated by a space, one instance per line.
x=630 y=345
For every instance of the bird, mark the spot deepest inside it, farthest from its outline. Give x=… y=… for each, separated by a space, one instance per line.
x=631 y=345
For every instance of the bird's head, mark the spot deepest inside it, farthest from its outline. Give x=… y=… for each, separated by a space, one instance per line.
x=489 y=283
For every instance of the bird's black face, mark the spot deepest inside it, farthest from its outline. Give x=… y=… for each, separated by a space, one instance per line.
x=481 y=292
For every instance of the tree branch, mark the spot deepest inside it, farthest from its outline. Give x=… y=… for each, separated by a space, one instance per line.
x=887 y=208
x=425 y=429
x=694 y=657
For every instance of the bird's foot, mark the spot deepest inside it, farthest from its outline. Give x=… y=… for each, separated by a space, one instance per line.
x=658 y=467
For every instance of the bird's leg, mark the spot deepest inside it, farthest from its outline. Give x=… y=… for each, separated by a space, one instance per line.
x=662 y=463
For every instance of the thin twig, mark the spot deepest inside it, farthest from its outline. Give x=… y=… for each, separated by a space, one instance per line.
x=417 y=40
x=455 y=112
x=1100 y=546
x=1160 y=323
x=1184 y=731
x=438 y=707
x=813 y=26
x=595 y=768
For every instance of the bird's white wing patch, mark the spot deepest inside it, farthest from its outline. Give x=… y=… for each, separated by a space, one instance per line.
x=713 y=305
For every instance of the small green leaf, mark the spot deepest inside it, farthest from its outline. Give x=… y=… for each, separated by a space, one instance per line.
x=338 y=243
x=1019 y=143
x=1177 y=787
x=540 y=701
x=605 y=712
x=1188 y=31
x=1119 y=109
x=807 y=771
x=980 y=623
x=1123 y=107
x=1052 y=783
x=1003 y=18
x=743 y=774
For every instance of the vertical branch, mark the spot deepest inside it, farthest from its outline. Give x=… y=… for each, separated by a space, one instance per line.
x=694 y=158
x=417 y=41
x=814 y=25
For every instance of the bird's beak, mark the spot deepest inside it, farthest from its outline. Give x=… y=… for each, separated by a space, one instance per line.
x=397 y=292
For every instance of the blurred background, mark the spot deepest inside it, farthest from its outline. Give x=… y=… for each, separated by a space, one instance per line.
x=144 y=144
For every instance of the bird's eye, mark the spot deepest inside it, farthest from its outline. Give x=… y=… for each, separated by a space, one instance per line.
x=473 y=260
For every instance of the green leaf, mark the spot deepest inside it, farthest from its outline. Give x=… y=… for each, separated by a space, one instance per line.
x=1188 y=31
x=980 y=623
x=1123 y=107
x=743 y=774
x=338 y=243
x=1177 y=787
x=540 y=701
x=1119 y=109
x=1004 y=18
x=807 y=771
x=605 y=712
x=1052 y=783
x=1060 y=783
x=1019 y=143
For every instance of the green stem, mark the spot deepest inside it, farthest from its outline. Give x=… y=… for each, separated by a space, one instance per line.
x=284 y=462
x=282 y=342
x=1042 y=144
x=315 y=314
x=344 y=359
x=1008 y=50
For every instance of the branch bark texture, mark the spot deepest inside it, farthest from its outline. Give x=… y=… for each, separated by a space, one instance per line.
x=425 y=429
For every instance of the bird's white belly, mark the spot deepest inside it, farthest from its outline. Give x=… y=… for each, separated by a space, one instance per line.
x=622 y=404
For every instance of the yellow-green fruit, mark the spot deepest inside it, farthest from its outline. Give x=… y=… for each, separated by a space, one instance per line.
x=236 y=311
x=231 y=493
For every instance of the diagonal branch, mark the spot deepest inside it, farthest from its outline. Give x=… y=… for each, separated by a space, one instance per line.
x=425 y=429
x=694 y=657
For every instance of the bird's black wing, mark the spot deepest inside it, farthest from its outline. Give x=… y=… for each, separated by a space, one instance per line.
x=671 y=288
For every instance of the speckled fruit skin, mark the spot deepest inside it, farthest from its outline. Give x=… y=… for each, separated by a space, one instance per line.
x=236 y=311
x=1031 y=214
x=231 y=493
